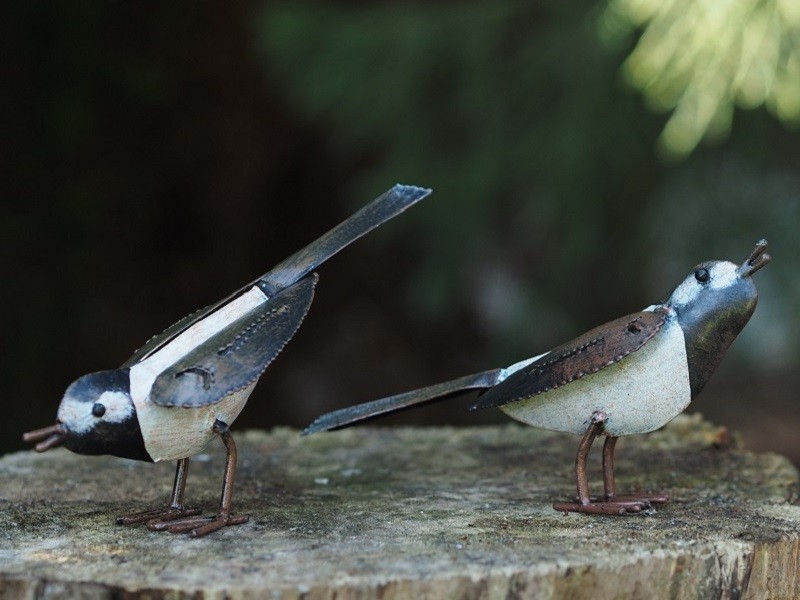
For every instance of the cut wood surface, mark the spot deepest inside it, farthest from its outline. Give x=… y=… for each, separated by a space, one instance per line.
x=410 y=513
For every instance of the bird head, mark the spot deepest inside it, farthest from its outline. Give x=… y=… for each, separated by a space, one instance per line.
x=720 y=285
x=713 y=304
x=96 y=416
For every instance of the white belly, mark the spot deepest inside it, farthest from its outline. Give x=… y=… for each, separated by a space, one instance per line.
x=640 y=393
x=176 y=432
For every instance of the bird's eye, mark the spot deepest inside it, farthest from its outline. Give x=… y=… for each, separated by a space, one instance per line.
x=702 y=275
x=98 y=410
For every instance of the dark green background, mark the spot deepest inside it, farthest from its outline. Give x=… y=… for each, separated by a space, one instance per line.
x=156 y=156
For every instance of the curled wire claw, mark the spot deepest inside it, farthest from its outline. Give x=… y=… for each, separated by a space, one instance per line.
x=46 y=438
x=54 y=440
x=757 y=259
x=40 y=434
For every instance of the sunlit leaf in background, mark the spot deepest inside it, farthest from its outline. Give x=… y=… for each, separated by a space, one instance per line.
x=700 y=58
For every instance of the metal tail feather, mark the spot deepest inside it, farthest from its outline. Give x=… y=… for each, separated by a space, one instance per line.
x=345 y=417
x=388 y=205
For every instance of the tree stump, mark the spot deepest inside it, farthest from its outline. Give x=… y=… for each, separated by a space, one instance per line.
x=410 y=513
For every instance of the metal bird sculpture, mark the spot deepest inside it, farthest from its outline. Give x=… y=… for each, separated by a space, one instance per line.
x=632 y=375
x=187 y=385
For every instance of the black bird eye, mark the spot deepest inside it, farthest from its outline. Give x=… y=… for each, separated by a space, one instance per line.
x=702 y=275
x=98 y=410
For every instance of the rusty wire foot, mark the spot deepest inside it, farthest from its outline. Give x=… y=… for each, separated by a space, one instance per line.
x=647 y=499
x=609 y=503
x=169 y=513
x=612 y=507
x=175 y=509
x=198 y=526
x=616 y=499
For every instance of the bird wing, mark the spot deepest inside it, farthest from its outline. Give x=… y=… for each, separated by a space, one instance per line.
x=383 y=208
x=238 y=355
x=595 y=350
x=345 y=417
x=161 y=339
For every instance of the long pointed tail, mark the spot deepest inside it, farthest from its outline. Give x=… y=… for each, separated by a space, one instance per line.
x=345 y=417
x=389 y=204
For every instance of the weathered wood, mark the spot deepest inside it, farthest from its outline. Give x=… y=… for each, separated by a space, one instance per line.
x=417 y=513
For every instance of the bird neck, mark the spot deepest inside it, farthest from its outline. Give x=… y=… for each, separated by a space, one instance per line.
x=709 y=329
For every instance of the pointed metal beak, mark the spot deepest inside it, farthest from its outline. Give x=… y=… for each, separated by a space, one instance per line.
x=757 y=259
x=47 y=437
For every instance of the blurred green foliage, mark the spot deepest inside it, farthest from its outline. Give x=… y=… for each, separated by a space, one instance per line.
x=545 y=168
x=510 y=110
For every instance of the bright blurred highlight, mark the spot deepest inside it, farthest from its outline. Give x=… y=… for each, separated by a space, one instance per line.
x=699 y=58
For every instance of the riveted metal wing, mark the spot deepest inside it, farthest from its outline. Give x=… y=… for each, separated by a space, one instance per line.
x=159 y=340
x=237 y=356
x=595 y=350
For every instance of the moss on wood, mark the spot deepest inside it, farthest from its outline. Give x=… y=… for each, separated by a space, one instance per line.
x=409 y=512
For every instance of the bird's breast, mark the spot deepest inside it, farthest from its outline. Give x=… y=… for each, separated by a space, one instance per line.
x=173 y=432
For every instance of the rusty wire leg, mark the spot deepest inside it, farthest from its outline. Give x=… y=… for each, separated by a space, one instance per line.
x=175 y=510
x=609 y=479
x=609 y=482
x=586 y=503
x=200 y=526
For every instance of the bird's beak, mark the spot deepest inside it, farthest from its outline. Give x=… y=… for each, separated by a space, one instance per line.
x=757 y=259
x=46 y=438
